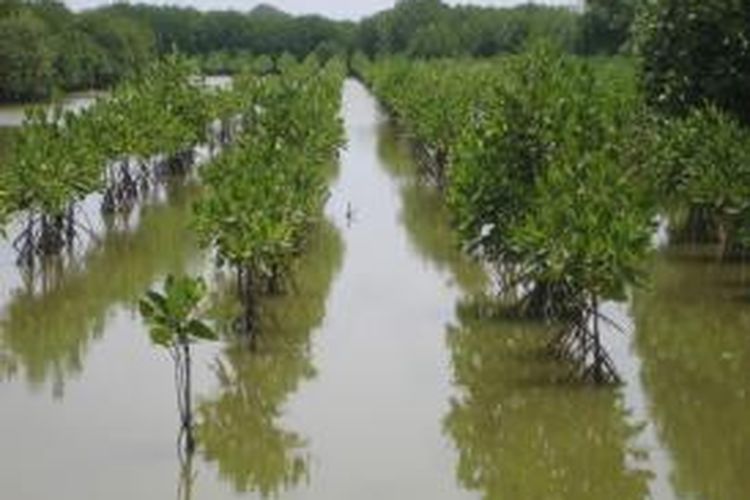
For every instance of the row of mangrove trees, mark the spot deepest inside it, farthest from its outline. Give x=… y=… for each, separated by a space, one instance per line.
x=557 y=173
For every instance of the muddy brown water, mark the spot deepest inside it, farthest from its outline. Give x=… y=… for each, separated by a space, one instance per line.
x=383 y=373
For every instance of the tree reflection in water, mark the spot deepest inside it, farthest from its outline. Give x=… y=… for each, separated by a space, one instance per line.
x=522 y=429
x=240 y=429
x=46 y=334
x=424 y=213
x=692 y=328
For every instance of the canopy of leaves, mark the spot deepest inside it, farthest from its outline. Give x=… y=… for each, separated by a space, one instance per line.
x=539 y=173
x=262 y=196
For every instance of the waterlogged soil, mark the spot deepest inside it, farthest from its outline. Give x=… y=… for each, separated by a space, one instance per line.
x=383 y=372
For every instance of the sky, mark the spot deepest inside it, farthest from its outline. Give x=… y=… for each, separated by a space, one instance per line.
x=337 y=9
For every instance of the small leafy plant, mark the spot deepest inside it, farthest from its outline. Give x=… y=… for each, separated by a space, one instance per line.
x=172 y=317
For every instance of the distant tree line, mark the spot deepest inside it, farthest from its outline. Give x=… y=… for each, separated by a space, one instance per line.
x=43 y=45
x=691 y=51
x=429 y=28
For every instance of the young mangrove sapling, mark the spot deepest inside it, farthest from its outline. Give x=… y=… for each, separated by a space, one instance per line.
x=172 y=317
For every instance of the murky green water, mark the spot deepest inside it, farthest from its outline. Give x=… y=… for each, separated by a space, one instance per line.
x=694 y=340
x=384 y=373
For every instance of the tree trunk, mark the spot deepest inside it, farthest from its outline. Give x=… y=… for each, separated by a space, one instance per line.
x=598 y=355
x=187 y=421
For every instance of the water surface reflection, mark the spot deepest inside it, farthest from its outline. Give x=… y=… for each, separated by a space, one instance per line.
x=692 y=335
x=47 y=326
x=522 y=429
x=240 y=427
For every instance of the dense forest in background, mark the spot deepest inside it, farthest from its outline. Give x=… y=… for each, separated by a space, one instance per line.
x=689 y=51
x=44 y=45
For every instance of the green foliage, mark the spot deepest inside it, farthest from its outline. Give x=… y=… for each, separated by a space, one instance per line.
x=5 y=202
x=694 y=52
x=530 y=142
x=128 y=45
x=263 y=195
x=416 y=92
x=26 y=70
x=172 y=315
x=264 y=30
x=83 y=63
x=588 y=228
x=152 y=120
x=56 y=162
x=701 y=164
x=555 y=169
x=540 y=182
x=99 y=47
x=160 y=111
x=606 y=26
x=173 y=322
x=430 y=28
x=7 y=140
x=44 y=45
x=61 y=157
x=223 y=62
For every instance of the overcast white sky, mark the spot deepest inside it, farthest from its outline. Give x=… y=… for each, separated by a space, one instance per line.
x=338 y=9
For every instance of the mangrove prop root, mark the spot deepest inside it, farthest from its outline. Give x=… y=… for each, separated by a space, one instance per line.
x=123 y=189
x=548 y=301
x=433 y=163
x=579 y=341
x=245 y=324
x=45 y=235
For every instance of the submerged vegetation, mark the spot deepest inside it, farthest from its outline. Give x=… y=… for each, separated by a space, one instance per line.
x=700 y=165
x=274 y=139
x=555 y=168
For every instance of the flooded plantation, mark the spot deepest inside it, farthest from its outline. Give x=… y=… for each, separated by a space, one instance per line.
x=386 y=370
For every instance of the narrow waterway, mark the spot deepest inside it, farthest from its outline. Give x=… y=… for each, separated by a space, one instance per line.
x=384 y=373
x=373 y=414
